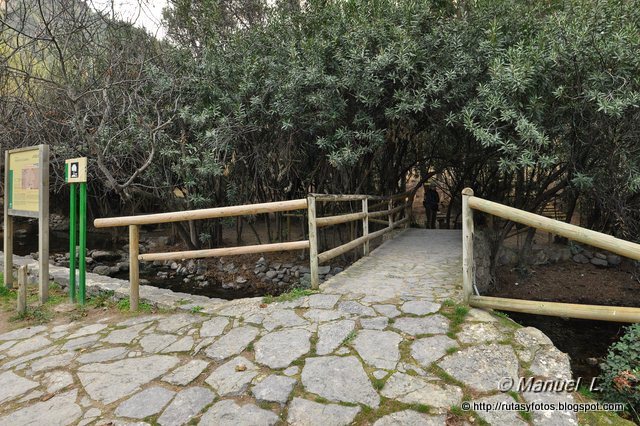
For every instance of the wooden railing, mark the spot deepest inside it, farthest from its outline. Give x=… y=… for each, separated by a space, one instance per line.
x=366 y=215
x=134 y=222
x=572 y=232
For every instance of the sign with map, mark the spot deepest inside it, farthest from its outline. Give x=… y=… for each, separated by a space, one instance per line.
x=23 y=181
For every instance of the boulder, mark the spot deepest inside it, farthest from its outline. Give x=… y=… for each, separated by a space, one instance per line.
x=614 y=259
x=105 y=255
x=580 y=258
x=102 y=270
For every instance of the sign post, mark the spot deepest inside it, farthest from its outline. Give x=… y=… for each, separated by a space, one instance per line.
x=75 y=173
x=27 y=195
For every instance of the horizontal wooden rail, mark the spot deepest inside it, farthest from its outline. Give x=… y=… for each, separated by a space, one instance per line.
x=335 y=220
x=380 y=221
x=388 y=212
x=340 y=197
x=567 y=230
x=229 y=251
x=216 y=212
x=556 y=309
x=384 y=204
x=356 y=197
x=572 y=232
x=337 y=251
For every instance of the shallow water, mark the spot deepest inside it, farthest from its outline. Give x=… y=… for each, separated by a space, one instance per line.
x=581 y=339
x=26 y=242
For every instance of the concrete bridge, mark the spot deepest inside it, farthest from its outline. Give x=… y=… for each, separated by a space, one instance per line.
x=385 y=342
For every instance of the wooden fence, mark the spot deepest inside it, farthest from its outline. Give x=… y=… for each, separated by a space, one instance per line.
x=368 y=213
x=572 y=232
x=134 y=223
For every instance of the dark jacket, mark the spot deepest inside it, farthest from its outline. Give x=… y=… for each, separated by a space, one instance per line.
x=431 y=199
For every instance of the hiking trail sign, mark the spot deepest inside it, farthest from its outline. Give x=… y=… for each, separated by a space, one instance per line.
x=26 y=194
x=75 y=172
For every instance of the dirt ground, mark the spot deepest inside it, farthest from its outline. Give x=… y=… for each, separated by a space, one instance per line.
x=573 y=283
x=58 y=310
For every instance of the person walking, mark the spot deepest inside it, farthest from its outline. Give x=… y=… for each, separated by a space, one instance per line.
x=431 y=203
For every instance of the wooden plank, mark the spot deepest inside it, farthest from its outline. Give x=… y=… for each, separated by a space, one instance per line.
x=43 y=225
x=313 y=242
x=378 y=205
x=227 y=251
x=467 y=246
x=556 y=309
x=337 y=251
x=387 y=212
x=22 y=289
x=572 y=232
x=390 y=197
x=334 y=252
x=24 y=213
x=365 y=226
x=325 y=198
x=134 y=267
x=335 y=220
x=229 y=211
x=380 y=221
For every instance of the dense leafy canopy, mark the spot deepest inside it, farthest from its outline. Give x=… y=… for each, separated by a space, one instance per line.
x=254 y=101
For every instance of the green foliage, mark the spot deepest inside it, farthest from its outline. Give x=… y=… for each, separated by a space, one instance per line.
x=350 y=337
x=420 y=408
x=456 y=314
x=101 y=300
x=378 y=384
x=620 y=377
x=264 y=101
x=143 y=307
x=7 y=294
x=38 y=315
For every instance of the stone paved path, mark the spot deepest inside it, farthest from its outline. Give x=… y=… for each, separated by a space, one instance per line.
x=384 y=343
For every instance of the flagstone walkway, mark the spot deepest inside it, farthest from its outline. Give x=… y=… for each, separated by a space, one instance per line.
x=386 y=342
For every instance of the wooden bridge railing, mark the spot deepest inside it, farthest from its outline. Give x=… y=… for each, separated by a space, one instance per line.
x=572 y=232
x=367 y=214
x=134 y=223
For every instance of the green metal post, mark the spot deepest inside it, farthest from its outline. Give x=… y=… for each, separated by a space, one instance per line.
x=72 y=242
x=83 y=241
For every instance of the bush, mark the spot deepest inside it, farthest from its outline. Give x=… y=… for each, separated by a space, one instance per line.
x=620 y=378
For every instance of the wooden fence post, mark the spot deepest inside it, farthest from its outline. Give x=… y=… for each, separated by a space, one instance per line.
x=22 y=289
x=313 y=242
x=407 y=212
x=467 y=245
x=134 y=267
x=365 y=225
x=391 y=214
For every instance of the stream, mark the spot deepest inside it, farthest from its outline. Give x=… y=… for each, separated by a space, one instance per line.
x=584 y=340
x=26 y=242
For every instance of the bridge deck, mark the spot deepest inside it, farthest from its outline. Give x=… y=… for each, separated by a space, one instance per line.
x=418 y=263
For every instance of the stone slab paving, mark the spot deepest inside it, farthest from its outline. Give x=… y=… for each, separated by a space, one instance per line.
x=380 y=344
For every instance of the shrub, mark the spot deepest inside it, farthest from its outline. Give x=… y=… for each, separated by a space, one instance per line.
x=620 y=378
